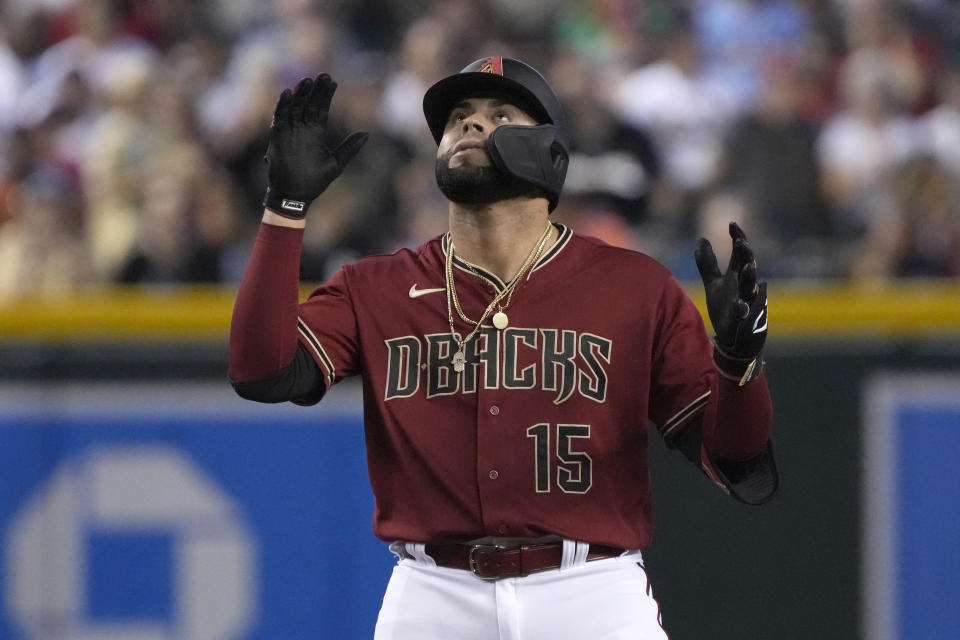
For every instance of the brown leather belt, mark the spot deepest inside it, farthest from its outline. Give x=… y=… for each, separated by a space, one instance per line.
x=491 y=562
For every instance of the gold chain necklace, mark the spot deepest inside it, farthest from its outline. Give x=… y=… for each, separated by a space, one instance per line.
x=500 y=320
x=528 y=263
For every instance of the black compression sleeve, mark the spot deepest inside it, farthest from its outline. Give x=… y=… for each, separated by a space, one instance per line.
x=300 y=381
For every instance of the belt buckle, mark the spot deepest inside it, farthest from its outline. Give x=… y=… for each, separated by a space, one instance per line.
x=474 y=568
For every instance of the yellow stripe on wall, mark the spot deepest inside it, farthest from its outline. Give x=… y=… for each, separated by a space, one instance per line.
x=869 y=309
x=122 y=314
x=797 y=310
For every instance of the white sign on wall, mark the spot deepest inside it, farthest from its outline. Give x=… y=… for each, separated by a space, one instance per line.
x=130 y=490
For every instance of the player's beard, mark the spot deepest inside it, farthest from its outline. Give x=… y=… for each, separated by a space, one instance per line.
x=476 y=184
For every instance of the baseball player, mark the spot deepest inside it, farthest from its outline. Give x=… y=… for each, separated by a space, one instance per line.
x=510 y=370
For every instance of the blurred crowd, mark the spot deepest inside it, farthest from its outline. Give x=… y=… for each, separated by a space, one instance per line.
x=134 y=130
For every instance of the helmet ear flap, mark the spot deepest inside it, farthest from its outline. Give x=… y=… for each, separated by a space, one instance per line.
x=560 y=159
x=532 y=154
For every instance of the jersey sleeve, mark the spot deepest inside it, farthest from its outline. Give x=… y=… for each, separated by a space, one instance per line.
x=681 y=370
x=327 y=327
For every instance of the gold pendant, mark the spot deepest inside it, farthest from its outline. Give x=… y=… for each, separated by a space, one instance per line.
x=500 y=320
x=459 y=361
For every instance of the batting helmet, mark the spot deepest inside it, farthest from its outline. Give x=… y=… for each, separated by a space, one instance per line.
x=539 y=154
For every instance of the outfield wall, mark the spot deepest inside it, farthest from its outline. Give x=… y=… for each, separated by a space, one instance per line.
x=141 y=499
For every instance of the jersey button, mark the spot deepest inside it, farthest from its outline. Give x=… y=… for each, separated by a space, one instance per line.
x=502 y=528
x=494 y=474
x=494 y=410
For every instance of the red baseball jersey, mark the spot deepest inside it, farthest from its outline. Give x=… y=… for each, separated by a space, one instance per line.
x=545 y=430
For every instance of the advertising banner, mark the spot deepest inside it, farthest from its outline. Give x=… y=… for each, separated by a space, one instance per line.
x=183 y=513
x=911 y=495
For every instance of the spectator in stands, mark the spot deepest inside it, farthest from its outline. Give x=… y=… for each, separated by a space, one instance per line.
x=422 y=57
x=941 y=125
x=770 y=163
x=740 y=38
x=42 y=251
x=860 y=148
x=695 y=117
x=920 y=235
x=685 y=117
x=612 y=166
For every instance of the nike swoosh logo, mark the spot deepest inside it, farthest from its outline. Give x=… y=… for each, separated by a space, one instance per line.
x=416 y=293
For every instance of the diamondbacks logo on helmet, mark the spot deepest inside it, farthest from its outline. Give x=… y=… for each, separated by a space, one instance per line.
x=491 y=65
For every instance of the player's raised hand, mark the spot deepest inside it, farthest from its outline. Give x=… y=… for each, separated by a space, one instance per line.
x=736 y=303
x=300 y=160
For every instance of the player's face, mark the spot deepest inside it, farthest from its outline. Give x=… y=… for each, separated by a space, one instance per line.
x=470 y=123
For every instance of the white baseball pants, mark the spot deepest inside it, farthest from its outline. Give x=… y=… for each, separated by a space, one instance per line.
x=607 y=599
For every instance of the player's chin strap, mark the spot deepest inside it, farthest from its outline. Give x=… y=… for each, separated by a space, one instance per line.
x=532 y=154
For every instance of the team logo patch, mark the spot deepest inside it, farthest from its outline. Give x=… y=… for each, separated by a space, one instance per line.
x=491 y=65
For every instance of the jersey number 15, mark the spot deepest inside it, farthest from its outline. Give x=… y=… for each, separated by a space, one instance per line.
x=574 y=469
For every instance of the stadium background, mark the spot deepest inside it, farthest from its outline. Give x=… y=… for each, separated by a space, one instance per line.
x=141 y=499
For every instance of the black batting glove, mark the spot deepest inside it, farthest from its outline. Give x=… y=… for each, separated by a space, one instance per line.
x=737 y=305
x=300 y=162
